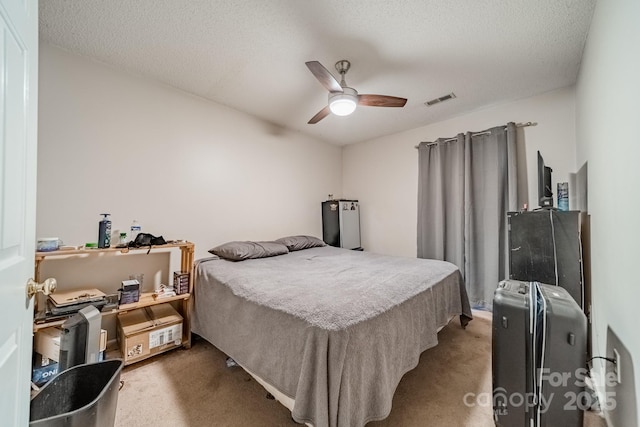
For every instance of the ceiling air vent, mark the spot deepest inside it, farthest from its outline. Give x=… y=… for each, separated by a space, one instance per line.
x=441 y=99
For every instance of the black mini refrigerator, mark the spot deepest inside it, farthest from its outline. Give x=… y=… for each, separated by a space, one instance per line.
x=545 y=246
x=341 y=223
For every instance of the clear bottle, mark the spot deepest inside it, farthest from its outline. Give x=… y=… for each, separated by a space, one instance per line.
x=135 y=229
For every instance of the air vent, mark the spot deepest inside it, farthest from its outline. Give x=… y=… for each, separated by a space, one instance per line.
x=441 y=99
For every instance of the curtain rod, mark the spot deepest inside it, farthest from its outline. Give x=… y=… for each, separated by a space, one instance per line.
x=519 y=125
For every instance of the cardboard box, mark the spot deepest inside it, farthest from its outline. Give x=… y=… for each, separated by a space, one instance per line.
x=44 y=369
x=47 y=343
x=129 y=292
x=181 y=282
x=103 y=339
x=42 y=374
x=147 y=331
x=63 y=299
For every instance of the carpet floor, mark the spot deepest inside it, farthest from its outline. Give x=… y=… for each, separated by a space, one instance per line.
x=195 y=388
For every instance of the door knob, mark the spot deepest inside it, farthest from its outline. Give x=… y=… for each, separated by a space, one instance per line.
x=47 y=287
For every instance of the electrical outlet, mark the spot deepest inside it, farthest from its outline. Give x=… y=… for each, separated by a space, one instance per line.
x=619 y=400
x=616 y=366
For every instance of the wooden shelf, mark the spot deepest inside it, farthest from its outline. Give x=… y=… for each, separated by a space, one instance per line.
x=186 y=263
x=146 y=300
x=112 y=249
x=113 y=352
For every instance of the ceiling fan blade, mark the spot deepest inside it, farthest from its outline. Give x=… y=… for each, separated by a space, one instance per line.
x=324 y=76
x=320 y=115
x=381 y=101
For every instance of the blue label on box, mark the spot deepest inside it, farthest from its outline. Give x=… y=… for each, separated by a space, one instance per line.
x=128 y=297
x=41 y=375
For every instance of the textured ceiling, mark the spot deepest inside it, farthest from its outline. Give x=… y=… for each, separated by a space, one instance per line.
x=251 y=54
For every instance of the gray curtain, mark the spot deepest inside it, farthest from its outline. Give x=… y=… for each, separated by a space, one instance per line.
x=467 y=184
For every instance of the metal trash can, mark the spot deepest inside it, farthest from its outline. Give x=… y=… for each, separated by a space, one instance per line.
x=83 y=395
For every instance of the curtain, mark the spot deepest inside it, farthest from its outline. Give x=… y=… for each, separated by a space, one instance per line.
x=467 y=184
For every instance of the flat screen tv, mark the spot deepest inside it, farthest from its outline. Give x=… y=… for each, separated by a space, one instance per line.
x=545 y=195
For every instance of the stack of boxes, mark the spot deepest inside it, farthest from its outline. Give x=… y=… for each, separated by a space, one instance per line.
x=47 y=352
x=45 y=355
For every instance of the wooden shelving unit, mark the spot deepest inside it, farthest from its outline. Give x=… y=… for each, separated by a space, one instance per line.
x=146 y=299
x=186 y=261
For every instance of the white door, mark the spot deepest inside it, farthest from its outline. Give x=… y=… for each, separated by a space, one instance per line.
x=18 y=143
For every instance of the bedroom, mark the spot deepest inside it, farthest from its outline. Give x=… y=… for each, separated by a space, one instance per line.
x=186 y=167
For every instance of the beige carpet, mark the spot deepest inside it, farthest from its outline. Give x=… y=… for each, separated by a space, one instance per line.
x=195 y=388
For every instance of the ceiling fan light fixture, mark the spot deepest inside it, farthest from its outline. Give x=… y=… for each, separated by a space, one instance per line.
x=343 y=100
x=343 y=104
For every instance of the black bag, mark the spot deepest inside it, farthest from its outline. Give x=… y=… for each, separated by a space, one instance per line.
x=146 y=239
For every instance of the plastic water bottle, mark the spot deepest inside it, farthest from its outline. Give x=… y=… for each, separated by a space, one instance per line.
x=135 y=229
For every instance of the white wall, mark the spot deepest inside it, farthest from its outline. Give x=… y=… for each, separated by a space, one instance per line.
x=607 y=111
x=185 y=167
x=383 y=173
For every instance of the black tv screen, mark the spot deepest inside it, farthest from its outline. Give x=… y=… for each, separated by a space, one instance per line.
x=545 y=195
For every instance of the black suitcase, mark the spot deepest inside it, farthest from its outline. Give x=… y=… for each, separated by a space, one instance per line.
x=513 y=368
x=539 y=356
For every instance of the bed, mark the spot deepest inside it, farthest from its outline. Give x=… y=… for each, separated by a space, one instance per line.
x=331 y=331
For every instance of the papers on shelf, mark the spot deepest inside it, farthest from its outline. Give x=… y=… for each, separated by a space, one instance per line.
x=164 y=291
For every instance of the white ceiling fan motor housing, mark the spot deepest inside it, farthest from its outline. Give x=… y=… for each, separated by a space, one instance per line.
x=343 y=103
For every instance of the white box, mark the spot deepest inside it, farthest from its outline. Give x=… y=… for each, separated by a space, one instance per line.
x=47 y=343
x=103 y=339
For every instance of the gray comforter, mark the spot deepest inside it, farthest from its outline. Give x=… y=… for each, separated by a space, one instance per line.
x=331 y=328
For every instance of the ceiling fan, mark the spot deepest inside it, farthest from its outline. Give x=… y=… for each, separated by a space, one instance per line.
x=342 y=98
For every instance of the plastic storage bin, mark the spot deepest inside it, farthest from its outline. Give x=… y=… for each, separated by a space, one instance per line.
x=84 y=395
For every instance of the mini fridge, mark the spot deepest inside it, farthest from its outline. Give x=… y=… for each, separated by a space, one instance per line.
x=341 y=223
x=545 y=246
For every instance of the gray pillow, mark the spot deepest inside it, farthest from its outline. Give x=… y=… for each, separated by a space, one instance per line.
x=296 y=243
x=238 y=251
